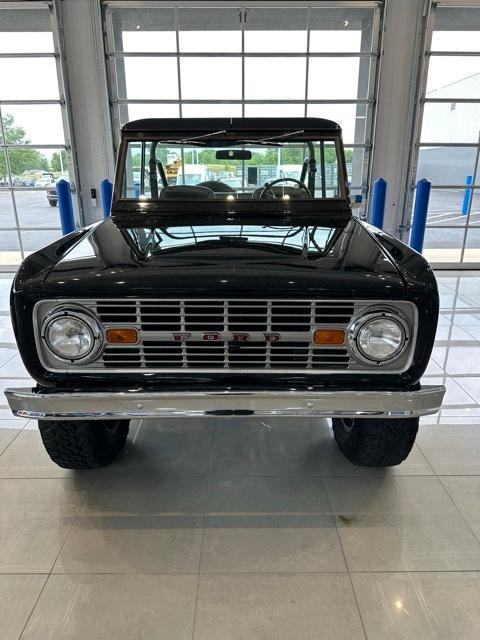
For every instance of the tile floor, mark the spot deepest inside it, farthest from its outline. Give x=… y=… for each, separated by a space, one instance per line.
x=221 y=530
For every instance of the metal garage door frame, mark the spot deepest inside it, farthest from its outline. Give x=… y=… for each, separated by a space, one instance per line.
x=374 y=55
x=416 y=144
x=53 y=7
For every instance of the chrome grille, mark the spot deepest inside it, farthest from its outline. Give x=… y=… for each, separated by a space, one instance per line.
x=163 y=354
x=224 y=315
x=291 y=319
x=159 y=321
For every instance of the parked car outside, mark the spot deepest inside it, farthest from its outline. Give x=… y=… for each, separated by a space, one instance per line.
x=200 y=299
x=44 y=181
x=52 y=190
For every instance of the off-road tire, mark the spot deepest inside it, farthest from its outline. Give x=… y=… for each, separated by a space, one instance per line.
x=375 y=443
x=83 y=444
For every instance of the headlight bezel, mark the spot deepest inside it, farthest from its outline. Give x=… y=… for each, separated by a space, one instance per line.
x=84 y=316
x=368 y=316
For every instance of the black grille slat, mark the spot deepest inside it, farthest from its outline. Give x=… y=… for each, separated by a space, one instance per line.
x=331 y=320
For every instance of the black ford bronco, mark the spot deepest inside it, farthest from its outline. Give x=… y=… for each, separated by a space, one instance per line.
x=231 y=279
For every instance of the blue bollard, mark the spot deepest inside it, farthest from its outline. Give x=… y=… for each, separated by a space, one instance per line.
x=378 y=202
x=467 y=195
x=106 y=190
x=420 y=211
x=65 y=206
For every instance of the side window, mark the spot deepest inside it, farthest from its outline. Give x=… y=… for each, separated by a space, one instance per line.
x=326 y=179
x=131 y=183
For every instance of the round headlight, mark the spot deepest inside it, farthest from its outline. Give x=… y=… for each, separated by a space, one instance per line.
x=379 y=337
x=71 y=335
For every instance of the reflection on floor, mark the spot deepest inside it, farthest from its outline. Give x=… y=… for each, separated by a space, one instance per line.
x=222 y=530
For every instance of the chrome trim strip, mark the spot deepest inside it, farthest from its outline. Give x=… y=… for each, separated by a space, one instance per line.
x=76 y=312
x=374 y=314
x=28 y=403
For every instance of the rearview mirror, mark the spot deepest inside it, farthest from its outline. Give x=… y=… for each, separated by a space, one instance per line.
x=233 y=154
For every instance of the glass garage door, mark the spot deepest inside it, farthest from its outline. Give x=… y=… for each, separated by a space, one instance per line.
x=33 y=125
x=449 y=133
x=246 y=61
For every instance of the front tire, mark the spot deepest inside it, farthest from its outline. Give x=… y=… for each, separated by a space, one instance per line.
x=375 y=442
x=83 y=444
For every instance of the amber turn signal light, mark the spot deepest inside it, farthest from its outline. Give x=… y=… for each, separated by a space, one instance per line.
x=329 y=336
x=122 y=336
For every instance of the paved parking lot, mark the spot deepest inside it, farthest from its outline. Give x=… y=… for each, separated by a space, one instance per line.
x=34 y=212
x=445 y=209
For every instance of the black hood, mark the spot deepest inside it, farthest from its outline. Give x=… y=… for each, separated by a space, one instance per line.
x=116 y=259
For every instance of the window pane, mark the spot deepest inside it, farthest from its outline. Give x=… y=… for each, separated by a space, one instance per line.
x=351 y=117
x=446 y=165
x=210 y=30
x=443 y=245
x=453 y=77
x=33 y=124
x=275 y=78
x=7 y=216
x=211 y=78
x=456 y=29
x=445 y=207
x=475 y=210
x=34 y=209
x=335 y=78
x=149 y=41
x=9 y=248
x=150 y=78
x=451 y=122
x=149 y=30
x=274 y=110
x=472 y=247
x=28 y=79
x=354 y=160
x=25 y=31
x=212 y=110
x=4 y=177
x=31 y=167
x=277 y=31
x=139 y=111
x=346 y=30
x=35 y=240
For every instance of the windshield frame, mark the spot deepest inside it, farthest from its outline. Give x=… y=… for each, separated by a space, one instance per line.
x=228 y=138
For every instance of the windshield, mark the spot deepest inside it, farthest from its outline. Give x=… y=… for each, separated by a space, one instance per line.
x=201 y=168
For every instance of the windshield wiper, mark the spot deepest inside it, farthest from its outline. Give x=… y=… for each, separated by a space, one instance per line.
x=196 y=140
x=269 y=140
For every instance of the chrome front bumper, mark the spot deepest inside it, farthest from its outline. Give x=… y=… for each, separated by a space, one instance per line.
x=64 y=405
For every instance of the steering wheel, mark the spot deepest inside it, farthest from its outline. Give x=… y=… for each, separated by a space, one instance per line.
x=267 y=187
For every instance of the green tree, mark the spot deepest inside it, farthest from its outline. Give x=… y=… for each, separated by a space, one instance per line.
x=59 y=161
x=20 y=159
